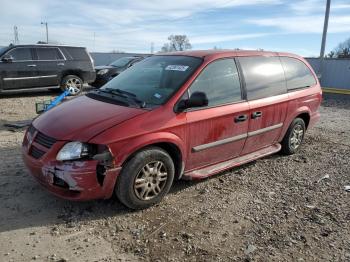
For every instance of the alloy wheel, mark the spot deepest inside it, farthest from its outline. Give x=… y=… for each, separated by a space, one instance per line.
x=74 y=85
x=297 y=136
x=151 y=180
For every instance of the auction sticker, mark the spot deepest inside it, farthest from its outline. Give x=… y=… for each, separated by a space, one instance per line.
x=176 y=68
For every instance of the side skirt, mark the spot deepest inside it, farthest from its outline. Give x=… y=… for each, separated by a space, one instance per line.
x=217 y=168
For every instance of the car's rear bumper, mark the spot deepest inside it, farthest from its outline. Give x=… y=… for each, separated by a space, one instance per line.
x=314 y=118
x=73 y=180
x=89 y=76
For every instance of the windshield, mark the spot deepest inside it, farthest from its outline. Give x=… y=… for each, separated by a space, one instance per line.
x=2 y=50
x=155 y=79
x=122 y=61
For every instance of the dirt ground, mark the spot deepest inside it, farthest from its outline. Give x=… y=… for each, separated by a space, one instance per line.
x=278 y=208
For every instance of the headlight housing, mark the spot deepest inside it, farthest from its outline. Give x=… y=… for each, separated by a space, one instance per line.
x=102 y=71
x=72 y=151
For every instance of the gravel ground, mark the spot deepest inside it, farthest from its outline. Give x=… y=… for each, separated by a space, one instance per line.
x=278 y=208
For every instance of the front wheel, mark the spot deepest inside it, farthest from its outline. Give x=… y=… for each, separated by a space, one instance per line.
x=72 y=83
x=145 y=179
x=293 y=137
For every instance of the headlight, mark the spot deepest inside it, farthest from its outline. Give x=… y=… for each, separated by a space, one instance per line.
x=73 y=150
x=102 y=72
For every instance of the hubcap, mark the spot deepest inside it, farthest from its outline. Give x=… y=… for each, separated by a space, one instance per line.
x=297 y=136
x=73 y=85
x=151 y=180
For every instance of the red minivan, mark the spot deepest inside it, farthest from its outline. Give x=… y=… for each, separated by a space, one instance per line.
x=186 y=115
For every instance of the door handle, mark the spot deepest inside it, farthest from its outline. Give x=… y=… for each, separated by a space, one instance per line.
x=60 y=64
x=241 y=118
x=31 y=65
x=256 y=114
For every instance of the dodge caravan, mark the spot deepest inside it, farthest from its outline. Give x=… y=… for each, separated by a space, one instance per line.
x=184 y=115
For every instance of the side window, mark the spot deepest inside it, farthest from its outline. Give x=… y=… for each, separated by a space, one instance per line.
x=21 y=54
x=220 y=82
x=298 y=75
x=77 y=53
x=264 y=76
x=47 y=53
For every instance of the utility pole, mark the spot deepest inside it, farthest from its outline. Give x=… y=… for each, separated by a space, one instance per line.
x=324 y=35
x=47 y=32
x=325 y=28
x=152 y=48
x=15 y=31
x=94 y=41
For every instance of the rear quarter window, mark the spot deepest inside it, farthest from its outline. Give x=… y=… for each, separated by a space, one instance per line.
x=263 y=76
x=298 y=75
x=77 y=53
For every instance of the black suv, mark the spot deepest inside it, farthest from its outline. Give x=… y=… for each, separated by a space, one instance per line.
x=107 y=72
x=40 y=66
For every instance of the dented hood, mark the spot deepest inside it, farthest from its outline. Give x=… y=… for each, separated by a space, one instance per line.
x=82 y=118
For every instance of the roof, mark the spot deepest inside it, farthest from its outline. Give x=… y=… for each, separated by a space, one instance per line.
x=44 y=45
x=217 y=53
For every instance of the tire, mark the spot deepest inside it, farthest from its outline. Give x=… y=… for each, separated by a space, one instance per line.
x=293 y=137
x=74 y=83
x=136 y=186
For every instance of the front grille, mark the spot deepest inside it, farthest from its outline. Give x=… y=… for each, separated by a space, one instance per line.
x=36 y=152
x=44 y=140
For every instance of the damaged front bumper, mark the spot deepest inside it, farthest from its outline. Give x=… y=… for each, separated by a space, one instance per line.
x=74 y=180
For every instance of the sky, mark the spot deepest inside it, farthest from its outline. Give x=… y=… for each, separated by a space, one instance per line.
x=131 y=26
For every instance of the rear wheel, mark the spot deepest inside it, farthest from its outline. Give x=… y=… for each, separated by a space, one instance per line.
x=294 y=137
x=145 y=179
x=72 y=83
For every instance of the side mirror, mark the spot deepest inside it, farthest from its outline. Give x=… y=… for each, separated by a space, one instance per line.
x=197 y=99
x=7 y=58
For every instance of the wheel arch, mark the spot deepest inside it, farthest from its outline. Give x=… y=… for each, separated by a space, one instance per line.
x=303 y=113
x=173 y=151
x=170 y=143
x=306 y=118
x=75 y=72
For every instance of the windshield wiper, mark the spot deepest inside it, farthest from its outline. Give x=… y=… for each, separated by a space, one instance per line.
x=126 y=94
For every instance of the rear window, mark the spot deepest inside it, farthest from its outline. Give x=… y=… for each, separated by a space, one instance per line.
x=48 y=53
x=298 y=75
x=77 y=53
x=21 y=54
x=264 y=76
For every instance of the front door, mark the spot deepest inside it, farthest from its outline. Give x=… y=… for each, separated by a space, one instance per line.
x=21 y=71
x=217 y=132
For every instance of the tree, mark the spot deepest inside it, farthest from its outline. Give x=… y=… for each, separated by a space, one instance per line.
x=341 y=51
x=176 y=43
x=331 y=54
